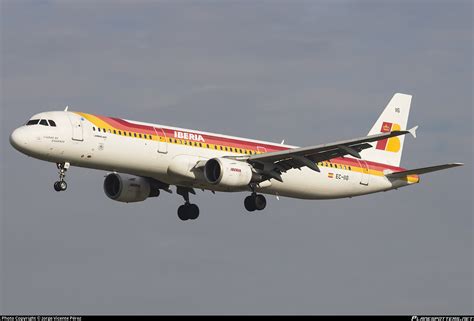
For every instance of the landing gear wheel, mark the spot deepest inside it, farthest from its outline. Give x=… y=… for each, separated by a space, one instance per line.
x=193 y=211
x=260 y=202
x=188 y=212
x=63 y=185
x=249 y=204
x=255 y=202
x=182 y=213
x=57 y=188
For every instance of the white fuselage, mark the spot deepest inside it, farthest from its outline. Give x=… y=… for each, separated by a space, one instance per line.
x=76 y=140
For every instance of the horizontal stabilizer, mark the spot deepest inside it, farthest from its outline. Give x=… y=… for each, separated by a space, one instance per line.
x=423 y=170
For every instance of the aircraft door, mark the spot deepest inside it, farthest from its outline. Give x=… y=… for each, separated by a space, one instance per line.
x=162 y=143
x=77 y=123
x=261 y=149
x=364 y=180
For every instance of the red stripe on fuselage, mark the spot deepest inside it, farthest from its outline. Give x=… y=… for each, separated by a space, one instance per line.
x=134 y=127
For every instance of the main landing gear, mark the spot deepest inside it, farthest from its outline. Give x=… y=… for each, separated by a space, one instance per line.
x=187 y=211
x=255 y=202
x=61 y=185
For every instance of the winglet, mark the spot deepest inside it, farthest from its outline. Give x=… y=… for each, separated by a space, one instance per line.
x=413 y=131
x=65 y=109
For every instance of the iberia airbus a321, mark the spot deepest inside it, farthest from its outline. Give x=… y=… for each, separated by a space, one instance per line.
x=144 y=158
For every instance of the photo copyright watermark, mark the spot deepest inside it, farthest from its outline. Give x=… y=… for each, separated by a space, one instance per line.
x=40 y=318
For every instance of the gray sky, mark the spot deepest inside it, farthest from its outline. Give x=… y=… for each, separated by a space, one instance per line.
x=308 y=72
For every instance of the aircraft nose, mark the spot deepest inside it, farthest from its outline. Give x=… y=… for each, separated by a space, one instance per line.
x=18 y=139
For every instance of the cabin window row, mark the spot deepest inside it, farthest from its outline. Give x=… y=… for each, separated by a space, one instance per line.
x=210 y=146
x=122 y=133
x=177 y=141
x=329 y=164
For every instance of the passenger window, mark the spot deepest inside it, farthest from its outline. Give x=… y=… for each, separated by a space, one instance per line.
x=200 y=145
x=93 y=128
x=52 y=123
x=207 y=145
x=135 y=134
x=140 y=135
x=32 y=122
x=43 y=122
x=226 y=149
x=115 y=132
x=221 y=147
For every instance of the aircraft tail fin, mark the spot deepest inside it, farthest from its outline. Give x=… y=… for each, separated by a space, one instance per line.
x=394 y=117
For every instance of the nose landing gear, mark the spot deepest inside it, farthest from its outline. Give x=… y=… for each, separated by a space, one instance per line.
x=61 y=185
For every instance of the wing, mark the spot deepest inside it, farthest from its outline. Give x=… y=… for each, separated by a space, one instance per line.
x=274 y=163
x=423 y=170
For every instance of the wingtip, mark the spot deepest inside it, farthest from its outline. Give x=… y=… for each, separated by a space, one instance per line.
x=413 y=131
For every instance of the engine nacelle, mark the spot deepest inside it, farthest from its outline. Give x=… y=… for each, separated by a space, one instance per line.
x=227 y=172
x=128 y=188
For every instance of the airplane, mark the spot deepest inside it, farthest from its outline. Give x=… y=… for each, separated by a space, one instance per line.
x=143 y=159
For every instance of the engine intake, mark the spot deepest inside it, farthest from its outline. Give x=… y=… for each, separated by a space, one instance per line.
x=128 y=188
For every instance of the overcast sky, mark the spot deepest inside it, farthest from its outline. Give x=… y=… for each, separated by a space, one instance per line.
x=308 y=72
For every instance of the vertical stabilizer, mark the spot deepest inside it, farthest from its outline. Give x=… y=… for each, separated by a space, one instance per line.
x=394 y=117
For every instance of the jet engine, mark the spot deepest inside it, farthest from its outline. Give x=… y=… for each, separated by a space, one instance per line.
x=228 y=172
x=129 y=188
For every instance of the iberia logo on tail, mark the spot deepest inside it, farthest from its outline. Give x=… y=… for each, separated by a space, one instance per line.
x=391 y=144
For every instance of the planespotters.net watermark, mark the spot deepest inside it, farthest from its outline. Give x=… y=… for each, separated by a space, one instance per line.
x=432 y=318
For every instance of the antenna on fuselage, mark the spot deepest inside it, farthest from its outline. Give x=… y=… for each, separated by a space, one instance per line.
x=65 y=109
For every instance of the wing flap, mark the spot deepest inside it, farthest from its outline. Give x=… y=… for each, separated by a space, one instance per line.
x=423 y=170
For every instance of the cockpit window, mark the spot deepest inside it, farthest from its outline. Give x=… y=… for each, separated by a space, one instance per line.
x=32 y=122
x=51 y=123
x=43 y=122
